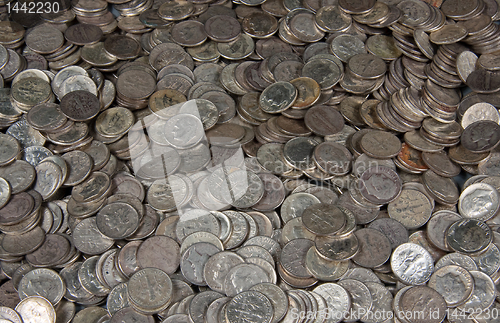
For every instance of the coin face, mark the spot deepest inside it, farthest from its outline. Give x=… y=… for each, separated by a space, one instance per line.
x=79 y=105
x=437 y=301
x=42 y=282
x=255 y=275
x=380 y=185
x=412 y=263
x=440 y=278
x=492 y=253
x=459 y=230
x=278 y=97
x=262 y=308
x=36 y=309
x=456 y=258
x=146 y=296
x=89 y=239
x=472 y=137
x=222 y=28
x=368 y=247
x=337 y=299
x=323 y=219
x=226 y=147
x=17 y=208
x=337 y=248
x=442 y=188
x=470 y=210
x=482 y=286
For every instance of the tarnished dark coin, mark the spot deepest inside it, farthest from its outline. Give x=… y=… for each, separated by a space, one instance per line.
x=356 y=7
x=367 y=66
x=324 y=71
x=441 y=188
x=46 y=117
x=122 y=47
x=44 y=40
x=393 y=230
x=259 y=24
x=278 y=97
x=189 y=33
x=332 y=158
x=484 y=81
x=441 y=164
x=18 y=207
x=80 y=105
x=435 y=302
x=298 y=153
x=481 y=136
x=380 y=185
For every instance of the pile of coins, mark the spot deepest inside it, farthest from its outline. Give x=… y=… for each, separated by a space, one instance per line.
x=250 y=161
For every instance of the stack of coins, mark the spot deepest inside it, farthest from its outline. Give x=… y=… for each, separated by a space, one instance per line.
x=8 y=114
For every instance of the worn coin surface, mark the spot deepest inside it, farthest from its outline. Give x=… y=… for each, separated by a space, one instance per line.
x=380 y=185
x=260 y=151
x=483 y=291
x=435 y=302
x=323 y=219
x=412 y=264
x=278 y=97
x=150 y=289
x=251 y=306
x=412 y=208
x=80 y=105
x=36 y=309
x=374 y=248
x=337 y=248
x=233 y=284
x=457 y=276
x=457 y=236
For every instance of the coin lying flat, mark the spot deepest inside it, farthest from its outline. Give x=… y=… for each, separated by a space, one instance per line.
x=323 y=219
x=478 y=192
x=80 y=105
x=419 y=260
x=158 y=295
x=483 y=294
x=262 y=308
x=460 y=228
x=380 y=185
x=372 y=242
x=278 y=98
x=481 y=136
